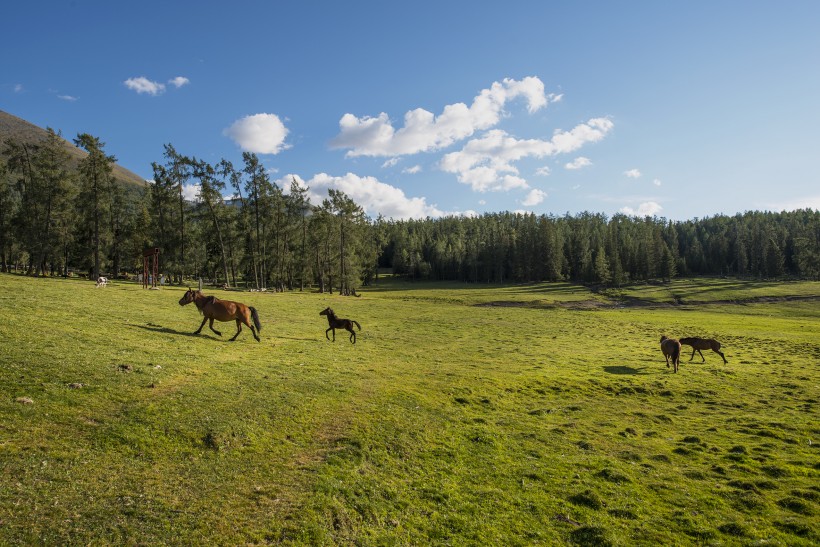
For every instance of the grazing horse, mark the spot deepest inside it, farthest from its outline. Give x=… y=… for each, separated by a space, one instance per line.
x=336 y=323
x=222 y=310
x=102 y=282
x=671 y=348
x=703 y=343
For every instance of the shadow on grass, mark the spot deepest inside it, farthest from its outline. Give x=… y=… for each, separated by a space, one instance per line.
x=298 y=339
x=620 y=369
x=164 y=330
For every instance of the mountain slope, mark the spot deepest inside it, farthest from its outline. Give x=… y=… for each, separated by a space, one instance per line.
x=22 y=131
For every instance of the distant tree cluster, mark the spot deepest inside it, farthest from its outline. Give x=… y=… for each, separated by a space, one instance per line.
x=57 y=216
x=591 y=248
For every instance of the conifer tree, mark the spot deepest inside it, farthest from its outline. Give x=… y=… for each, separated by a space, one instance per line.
x=95 y=175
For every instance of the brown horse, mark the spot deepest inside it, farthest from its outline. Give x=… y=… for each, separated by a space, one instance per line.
x=336 y=323
x=222 y=310
x=703 y=343
x=671 y=348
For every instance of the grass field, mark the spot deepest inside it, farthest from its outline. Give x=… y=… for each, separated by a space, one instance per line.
x=517 y=415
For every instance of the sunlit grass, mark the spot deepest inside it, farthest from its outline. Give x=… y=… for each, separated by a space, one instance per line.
x=464 y=414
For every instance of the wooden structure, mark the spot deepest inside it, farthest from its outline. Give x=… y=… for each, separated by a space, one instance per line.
x=150 y=272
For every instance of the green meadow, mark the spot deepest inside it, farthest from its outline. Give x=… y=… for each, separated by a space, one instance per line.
x=465 y=414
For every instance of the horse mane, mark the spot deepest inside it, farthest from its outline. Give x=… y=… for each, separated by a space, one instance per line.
x=202 y=302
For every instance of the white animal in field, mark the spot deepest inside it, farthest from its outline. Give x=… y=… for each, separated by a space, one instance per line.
x=102 y=282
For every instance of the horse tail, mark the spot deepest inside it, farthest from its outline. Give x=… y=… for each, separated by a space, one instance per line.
x=357 y=324
x=255 y=317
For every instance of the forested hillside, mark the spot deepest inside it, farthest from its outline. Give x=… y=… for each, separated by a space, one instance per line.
x=58 y=215
x=23 y=132
x=592 y=248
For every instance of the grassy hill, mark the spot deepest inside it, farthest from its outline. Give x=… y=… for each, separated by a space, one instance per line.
x=23 y=131
x=538 y=414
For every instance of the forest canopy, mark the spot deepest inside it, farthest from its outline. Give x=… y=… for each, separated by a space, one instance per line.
x=57 y=217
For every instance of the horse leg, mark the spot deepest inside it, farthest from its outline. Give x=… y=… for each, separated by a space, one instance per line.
x=211 y=324
x=250 y=326
x=327 y=331
x=197 y=331
x=701 y=356
x=352 y=335
x=725 y=362
x=694 y=349
x=238 y=329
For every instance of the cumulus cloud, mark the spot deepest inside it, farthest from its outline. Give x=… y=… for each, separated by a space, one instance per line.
x=578 y=163
x=374 y=196
x=392 y=162
x=259 y=133
x=424 y=131
x=656 y=182
x=534 y=197
x=190 y=192
x=543 y=171
x=18 y=88
x=179 y=81
x=647 y=208
x=144 y=85
x=486 y=163
x=412 y=170
x=68 y=98
x=633 y=173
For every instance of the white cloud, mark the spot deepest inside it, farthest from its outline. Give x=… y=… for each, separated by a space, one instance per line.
x=412 y=170
x=392 y=162
x=534 y=197
x=482 y=202
x=543 y=171
x=18 y=88
x=259 y=133
x=656 y=182
x=578 y=163
x=190 y=192
x=483 y=161
x=144 y=85
x=633 y=173
x=648 y=208
x=423 y=131
x=808 y=202
x=68 y=98
x=179 y=81
x=374 y=196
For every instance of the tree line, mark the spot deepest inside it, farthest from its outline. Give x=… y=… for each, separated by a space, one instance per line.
x=594 y=248
x=57 y=216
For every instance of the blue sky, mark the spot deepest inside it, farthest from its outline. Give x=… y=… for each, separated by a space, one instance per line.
x=675 y=109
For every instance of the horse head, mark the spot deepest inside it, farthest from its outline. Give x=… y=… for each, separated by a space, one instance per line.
x=326 y=311
x=188 y=297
